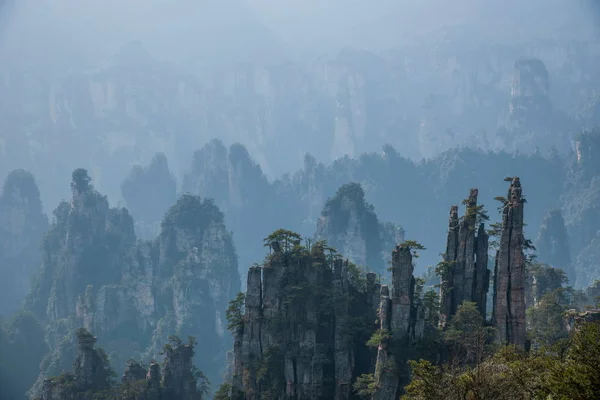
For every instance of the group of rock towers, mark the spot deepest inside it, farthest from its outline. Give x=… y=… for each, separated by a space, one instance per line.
x=301 y=310
x=466 y=276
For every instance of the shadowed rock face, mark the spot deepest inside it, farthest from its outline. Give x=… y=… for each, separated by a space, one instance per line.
x=465 y=276
x=510 y=280
x=403 y=315
x=292 y=305
x=22 y=227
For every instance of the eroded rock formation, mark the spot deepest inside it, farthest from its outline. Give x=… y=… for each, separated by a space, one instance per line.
x=22 y=227
x=531 y=116
x=350 y=225
x=465 y=276
x=239 y=188
x=400 y=314
x=155 y=182
x=134 y=294
x=552 y=244
x=92 y=376
x=510 y=278
x=307 y=318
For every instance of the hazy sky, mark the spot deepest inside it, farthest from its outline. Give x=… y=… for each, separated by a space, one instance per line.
x=70 y=31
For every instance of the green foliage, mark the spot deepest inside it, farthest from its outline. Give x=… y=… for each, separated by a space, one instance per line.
x=428 y=382
x=192 y=212
x=495 y=232
x=419 y=286
x=431 y=305
x=566 y=370
x=545 y=319
x=357 y=277
x=235 y=313
x=414 y=246
x=365 y=386
x=469 y=339
x=444 y=268
x=285 y=238
x=528 y=245
x=478 y=213
x=223 y=392
x=380 y=337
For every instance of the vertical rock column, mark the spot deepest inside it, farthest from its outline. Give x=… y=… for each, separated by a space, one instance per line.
x=466 y=249
x=447 y=287
x=509 y=282
x=344 y=352
x=84 y=362
x=401 y=316
x=402 y=291
x=482 y=273
x=387 y=378
x=251 y=347
x=466 y=277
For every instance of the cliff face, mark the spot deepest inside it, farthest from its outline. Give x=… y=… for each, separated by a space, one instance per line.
x=155 y=182
x=239 y=188
x=22 y=226
x=350 y=224
x=92 y=376
x=580 y=211
x=132 y=293
x=402 y=315
x=552 y=244
x=531 y=115
x=307 y=317
x=464 y=272
x=509 y=273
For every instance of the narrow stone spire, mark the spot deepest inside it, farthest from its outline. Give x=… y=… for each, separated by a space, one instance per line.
x=509 y=283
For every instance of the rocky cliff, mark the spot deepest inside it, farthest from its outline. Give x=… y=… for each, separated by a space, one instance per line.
x=579 y=207
x=148 y=193
x=92 y=376
x=127 y=107
x=401 y=316
x=306 y=317
x=96 y=275
x=22 y=226
x=239 y=188
x=349 y=224
x=552 y=244
x=531 y=117
x=464 y=272
x=509 y=272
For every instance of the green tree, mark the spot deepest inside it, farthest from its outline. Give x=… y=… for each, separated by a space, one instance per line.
x=545 y=319
x=283 y=237
x=469 y=339
x=575 y=373
x=365 y=386
x=235 y=313
x=414 y=246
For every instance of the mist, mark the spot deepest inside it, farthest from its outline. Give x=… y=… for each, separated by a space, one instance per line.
x=268 y=177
